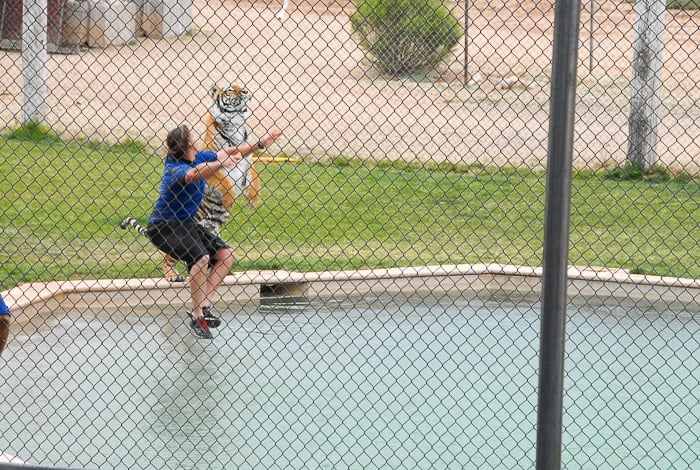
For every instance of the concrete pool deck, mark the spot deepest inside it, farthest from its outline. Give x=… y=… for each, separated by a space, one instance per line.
x=590 y=282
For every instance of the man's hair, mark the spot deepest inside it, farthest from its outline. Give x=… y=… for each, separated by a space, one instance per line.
x=177 y=141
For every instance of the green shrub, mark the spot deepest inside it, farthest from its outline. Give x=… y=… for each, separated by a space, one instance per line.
x=683 y=4
x=637 y=172
x=405 y=37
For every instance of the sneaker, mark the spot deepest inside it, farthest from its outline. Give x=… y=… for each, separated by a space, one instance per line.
x=200 y=329
x=212 y=320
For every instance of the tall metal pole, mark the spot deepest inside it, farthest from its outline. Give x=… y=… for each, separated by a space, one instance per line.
x=556 y=237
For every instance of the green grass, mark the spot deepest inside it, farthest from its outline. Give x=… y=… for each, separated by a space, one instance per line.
x=63 y=203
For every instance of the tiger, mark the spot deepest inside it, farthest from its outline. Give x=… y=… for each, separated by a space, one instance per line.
x=225 y=127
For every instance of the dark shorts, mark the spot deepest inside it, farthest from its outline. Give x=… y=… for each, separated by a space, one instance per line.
x=184 y=240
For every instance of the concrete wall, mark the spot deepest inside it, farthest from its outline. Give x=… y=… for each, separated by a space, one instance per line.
x=589 y=285
x=101 y=23
x=164 y=18
x=112 y=23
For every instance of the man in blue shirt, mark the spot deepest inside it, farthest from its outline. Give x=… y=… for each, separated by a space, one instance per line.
x=4 y=323
x=172 y=227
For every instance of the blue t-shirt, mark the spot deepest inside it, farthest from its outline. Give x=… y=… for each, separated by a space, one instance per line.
x=177 y=200
x=3 y=307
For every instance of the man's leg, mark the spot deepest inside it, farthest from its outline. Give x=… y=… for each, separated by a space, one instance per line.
x=4 y=331
x=223 y=263
x=199 y=285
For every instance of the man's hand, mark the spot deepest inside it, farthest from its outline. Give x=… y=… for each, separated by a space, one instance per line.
x=229 y=161
x=271 y=136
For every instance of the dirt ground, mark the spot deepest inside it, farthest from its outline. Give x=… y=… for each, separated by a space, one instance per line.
x=309 y=77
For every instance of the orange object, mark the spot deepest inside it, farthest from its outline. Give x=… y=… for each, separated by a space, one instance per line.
x=270 y=159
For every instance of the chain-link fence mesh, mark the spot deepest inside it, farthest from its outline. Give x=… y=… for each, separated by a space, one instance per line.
x=383 y=310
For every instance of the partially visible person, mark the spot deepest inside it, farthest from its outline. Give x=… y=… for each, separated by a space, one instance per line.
x=4 y=323
x=173 y=229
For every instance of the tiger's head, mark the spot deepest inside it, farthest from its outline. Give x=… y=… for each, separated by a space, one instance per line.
x=232 y=99
x=228 y=114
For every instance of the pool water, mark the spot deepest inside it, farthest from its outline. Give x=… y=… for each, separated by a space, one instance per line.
x=372 y=382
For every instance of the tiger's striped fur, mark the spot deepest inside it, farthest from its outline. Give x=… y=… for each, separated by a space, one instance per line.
x=211 y=213
x=226 y=128
x=130 y=221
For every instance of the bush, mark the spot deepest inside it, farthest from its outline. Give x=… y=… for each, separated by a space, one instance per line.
x=404 y=37
x=637 y=172
x=683 y=4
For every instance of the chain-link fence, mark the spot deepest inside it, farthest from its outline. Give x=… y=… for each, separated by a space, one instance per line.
x=383 y=310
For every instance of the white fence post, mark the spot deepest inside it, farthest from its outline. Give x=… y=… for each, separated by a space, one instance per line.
x=34 y=56
x=646 y=82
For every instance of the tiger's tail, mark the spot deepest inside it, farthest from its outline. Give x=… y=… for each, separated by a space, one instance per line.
x=130 y=221
x=169 y=263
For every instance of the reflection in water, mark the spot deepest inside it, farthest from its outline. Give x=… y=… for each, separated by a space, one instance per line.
x=187 y=388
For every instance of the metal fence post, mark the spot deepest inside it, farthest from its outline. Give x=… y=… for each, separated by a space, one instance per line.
x=556 y=238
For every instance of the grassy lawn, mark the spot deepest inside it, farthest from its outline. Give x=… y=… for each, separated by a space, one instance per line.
x=64 y=201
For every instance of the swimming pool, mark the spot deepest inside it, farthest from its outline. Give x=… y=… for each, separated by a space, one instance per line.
x=375 y=381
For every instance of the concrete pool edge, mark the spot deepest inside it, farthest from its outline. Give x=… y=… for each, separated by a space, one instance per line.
x=39 y=297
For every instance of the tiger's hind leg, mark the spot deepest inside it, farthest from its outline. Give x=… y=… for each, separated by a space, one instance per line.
x=169 y=271
x=253 y=191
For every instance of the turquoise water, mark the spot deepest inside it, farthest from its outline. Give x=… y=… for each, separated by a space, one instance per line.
x=373 y=382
